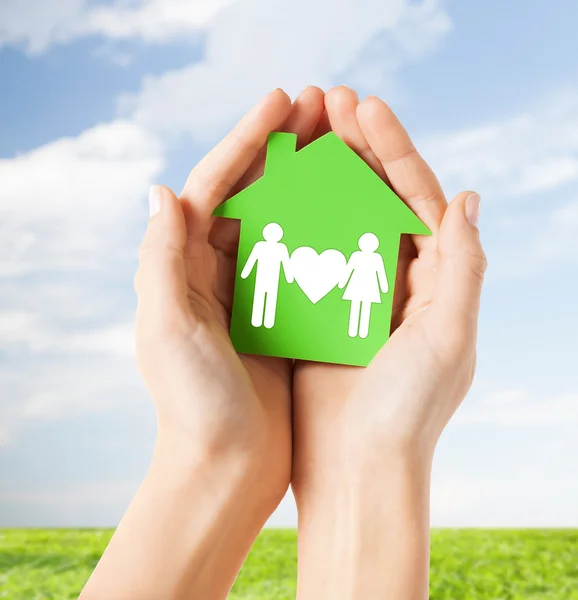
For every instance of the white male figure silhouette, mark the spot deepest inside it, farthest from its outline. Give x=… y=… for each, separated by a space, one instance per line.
x=269 y=256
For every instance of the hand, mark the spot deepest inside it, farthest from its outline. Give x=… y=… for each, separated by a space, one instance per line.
x=222 y=460
x=223 y=454
x=415 y=383
x=358 y=429
x=204 y=393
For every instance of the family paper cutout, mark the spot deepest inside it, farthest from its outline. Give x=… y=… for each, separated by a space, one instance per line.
x=363 y=277
x=317 y=256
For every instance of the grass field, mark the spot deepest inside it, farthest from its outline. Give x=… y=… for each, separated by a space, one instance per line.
x=466 y=564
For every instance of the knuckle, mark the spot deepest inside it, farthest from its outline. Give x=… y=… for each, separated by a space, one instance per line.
x=158 y=250
x=245 y=144
x=473 y=262
x=208 y=183
x=208 y=187
x=478 y=264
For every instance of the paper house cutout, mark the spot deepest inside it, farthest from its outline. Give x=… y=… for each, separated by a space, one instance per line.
x=318 y=251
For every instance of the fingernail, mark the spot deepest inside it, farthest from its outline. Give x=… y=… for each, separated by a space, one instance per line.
x=154 y=200
x=473 y=209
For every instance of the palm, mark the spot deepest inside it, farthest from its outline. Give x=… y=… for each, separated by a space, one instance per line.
x=211 y=265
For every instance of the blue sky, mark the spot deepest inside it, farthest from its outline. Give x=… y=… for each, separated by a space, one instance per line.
x=99 y=100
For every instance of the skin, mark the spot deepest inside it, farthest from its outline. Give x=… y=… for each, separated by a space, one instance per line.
x=364 y=438
x=222 y=461
x=233 y=431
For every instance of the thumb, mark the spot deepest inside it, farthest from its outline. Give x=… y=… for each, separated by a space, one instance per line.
x=455 y=305
x=160 y=281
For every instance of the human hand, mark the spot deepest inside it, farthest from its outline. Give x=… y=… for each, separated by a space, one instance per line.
x=415 y=383
x=223 y=454
x=216 y=403
x=364 y=437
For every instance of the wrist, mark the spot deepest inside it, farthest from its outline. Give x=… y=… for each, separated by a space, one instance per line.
x=236 y=476
x=188 y=528
x=357 y=469
x=360 y=520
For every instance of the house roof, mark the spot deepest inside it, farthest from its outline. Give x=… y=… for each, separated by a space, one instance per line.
x=324 y=178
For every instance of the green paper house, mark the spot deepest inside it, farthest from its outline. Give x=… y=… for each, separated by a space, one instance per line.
x=318 y=251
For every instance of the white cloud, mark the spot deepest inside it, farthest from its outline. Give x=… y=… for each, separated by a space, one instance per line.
x=72 y=205
x=515 y=408
x=36 y=25
x=152 y=20
x=32 y=332
x=531 y=156
x=69 y=209
x=54 y=387
x=528 y=153
x=80 y=386
x=257 y=45
x=67 y=361
x=69 y=203
x=15 y=325
x=60 y=201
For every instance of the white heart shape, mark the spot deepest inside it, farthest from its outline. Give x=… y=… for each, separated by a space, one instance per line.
x=317 y=274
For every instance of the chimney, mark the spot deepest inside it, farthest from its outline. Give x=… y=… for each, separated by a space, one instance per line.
x=279 y=148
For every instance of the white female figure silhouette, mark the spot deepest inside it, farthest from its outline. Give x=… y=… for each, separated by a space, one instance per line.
x=269 y=256
x=365 y=278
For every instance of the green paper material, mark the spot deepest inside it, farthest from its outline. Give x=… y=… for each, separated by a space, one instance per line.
x=314 y=206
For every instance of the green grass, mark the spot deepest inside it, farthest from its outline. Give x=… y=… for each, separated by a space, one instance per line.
x=466 y=564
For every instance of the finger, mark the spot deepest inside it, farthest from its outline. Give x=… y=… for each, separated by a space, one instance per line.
x=305 y=114
x=454 y=309
x=322 y=127
x=160 y=281
x=409 y=175
x=212 y=179
x=341 y=104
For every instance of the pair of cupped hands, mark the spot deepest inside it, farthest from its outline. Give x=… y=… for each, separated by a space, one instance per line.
x=276 y=421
